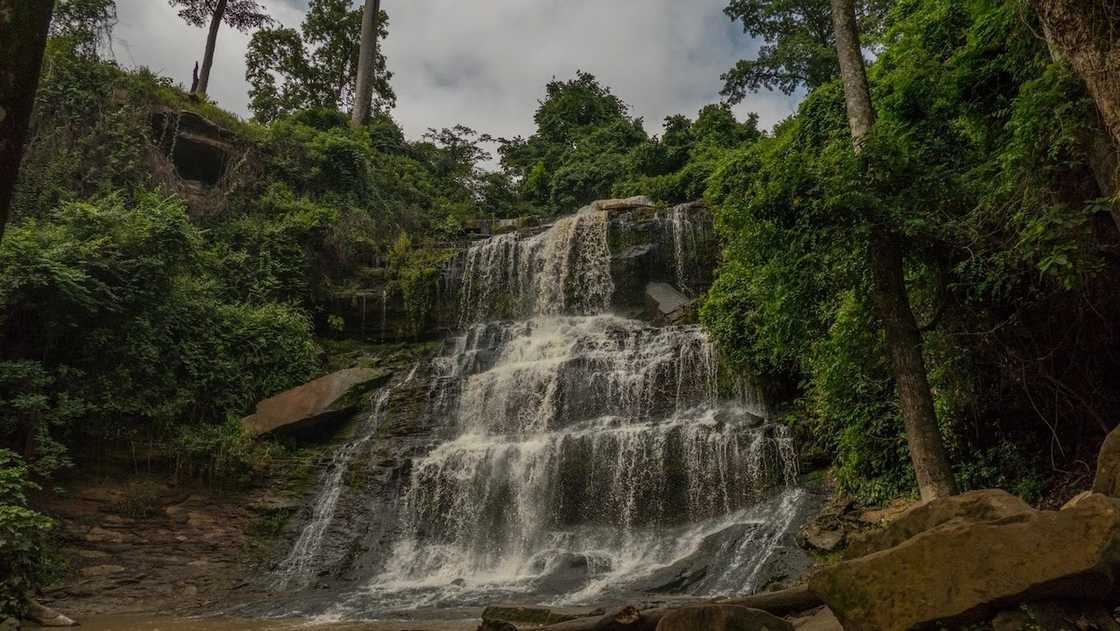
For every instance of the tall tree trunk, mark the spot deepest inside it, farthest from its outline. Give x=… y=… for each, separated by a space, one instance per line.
x=211 y=44
x=1085 y=32
x=1100 y=148
x=889 y=295
x=25 y=24
x=367 y=58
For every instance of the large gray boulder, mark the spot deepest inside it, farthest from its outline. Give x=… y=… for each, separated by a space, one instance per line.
x=960 y=570
x=310 y=404
x=664 y=303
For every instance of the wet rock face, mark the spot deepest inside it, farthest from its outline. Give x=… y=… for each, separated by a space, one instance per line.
x=553 y=448
x=497 y=278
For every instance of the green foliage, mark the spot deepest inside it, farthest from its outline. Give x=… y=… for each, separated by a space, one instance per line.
x=799 y=48
x=222 y=453
x=676 y=167
x=578 y=151
x=587 y=147
x=979 y=161
x=317 y=65
x=25 y=537
x=416 y=270
x=121 y=301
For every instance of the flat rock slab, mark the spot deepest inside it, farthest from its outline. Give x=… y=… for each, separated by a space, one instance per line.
x=665 y=298
x=305 y=404
x=640 y=201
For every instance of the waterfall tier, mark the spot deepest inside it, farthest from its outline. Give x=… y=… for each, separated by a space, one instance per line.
x=568 y=454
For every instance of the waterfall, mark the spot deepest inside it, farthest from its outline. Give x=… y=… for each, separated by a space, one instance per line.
x=690 y=235
x=298 y=567
x=575 y=453
x=565 y=269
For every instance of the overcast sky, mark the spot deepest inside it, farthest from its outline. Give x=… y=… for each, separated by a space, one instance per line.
x=484 y=63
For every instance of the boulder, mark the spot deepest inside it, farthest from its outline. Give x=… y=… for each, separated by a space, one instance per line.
x=46 y=617
x=819 y=538
x=535 y=615
x=663 y=301
x=820 y=620
x=960 y=571
x=721 y=618
x=972 y=507
x=629 y=203
x=310 y=404
x=1107 y=480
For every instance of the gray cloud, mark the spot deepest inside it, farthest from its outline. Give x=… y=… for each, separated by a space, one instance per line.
x=484 y=63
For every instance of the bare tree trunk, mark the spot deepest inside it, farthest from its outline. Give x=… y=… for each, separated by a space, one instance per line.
x=367 y=58
x=25 y=24
x=1086 y=33
x=892 y=303
x=1100 y=149
x=211 y=44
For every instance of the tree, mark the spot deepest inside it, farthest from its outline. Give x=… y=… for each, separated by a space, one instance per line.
x=243 y=15
x=1085 y=33
x=798 y=47
x=578 y=151
x=85 y=25
x=25 y=24
x=889 y=292
x=314 y=67
x=367 y=58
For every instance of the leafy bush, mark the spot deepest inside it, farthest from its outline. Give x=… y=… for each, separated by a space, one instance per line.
x=25 y=538
x=122 y=301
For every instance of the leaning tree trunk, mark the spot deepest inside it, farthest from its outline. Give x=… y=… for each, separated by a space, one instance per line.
x=892 y=303
x=211 y=44
x=24 y=24
x=1087 y=34
x=367 y=59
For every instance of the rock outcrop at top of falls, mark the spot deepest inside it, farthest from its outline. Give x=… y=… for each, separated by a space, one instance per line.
x=642 y=244
x=554 y=448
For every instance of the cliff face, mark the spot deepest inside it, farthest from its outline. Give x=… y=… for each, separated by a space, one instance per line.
x=572 y=437
x=661 y=258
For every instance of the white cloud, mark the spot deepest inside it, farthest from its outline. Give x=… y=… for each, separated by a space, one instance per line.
x=484 y=63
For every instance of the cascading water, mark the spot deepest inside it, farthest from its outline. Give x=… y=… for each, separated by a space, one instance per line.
x=689 y=235
x=298 y=567
x=563 y=270
x=581 y=455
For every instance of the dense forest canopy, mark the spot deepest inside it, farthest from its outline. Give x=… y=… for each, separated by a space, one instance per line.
x=136 y=310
